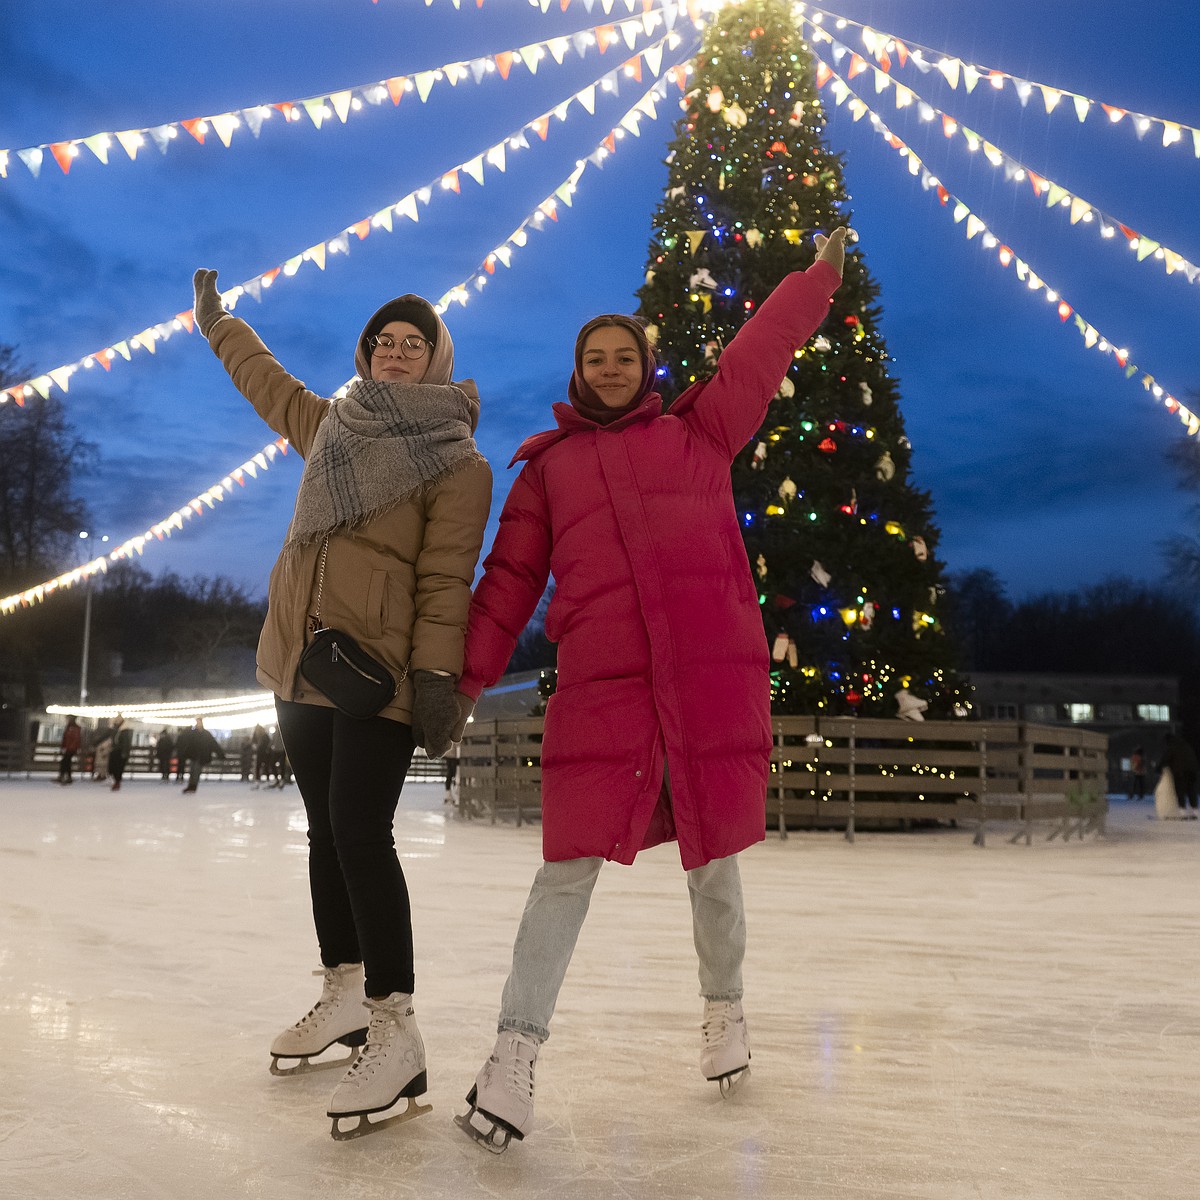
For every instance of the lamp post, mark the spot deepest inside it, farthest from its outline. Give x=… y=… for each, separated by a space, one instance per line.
x=87 y=626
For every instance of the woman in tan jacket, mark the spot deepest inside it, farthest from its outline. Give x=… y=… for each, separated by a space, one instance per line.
x=383 y=544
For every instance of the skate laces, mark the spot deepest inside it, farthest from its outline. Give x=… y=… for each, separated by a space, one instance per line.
x=518 y=1071
x=332 y=991
x=718 y=1020
x=384 y=1015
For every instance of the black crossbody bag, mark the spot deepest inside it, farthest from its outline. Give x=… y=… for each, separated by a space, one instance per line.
x=342 y=671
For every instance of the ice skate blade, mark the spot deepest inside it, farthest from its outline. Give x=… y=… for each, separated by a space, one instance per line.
x=491 y=1135
x=731 y=1084
x=366 y=1125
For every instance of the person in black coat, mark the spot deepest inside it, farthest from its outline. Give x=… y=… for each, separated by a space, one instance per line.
x=118 y=756
x=202 y=748
x=1180 y=759
x=164 y=750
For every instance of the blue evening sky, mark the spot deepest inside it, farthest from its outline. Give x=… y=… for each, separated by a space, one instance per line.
x=1043 y=461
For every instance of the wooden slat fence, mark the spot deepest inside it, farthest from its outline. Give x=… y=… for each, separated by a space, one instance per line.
x=843 y=773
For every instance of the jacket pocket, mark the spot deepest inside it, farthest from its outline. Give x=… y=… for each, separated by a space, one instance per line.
x=377 y=604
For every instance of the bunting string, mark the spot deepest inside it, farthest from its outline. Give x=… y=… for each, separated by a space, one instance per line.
x=976 y=227
x=341 y=103
x=547 y=209
x=195 y=507
x=494 y=157
x=1055 y=195
x=887 y=49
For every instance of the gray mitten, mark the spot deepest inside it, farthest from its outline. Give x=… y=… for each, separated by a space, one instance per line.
x=466 y=706
x=208 y=307
x=435 y=711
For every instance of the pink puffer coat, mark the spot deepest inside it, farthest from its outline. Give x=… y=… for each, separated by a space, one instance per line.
x=662 y=659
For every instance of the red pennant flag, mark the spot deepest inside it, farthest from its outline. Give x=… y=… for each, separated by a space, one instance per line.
x=857 y=65
x=185 y=319
x=105 y=357
x=450 y=180
x=611 y=143
x=504 y=62
x=285 y=107
x=679 y=75
x=635 y=67
x=824 y=74
x=62 y=155
x=395 y=87
x=943 y=195
x=1038 y=184
x=1115 y=114
x=541 y=127
x=901 y=52
x=605 y=36
x=885 y=62
x=1129 y=233
x=269 y=276
x=361 y=228
x=18 y=394
x=1064 y=310
x=193 y=127
x=282 y=443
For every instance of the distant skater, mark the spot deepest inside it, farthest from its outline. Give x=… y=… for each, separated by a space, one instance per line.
x=660 y=725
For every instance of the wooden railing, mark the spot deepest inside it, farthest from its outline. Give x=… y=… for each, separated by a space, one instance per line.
x=842 y=773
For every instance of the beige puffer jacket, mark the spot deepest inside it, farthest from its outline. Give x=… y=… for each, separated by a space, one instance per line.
x=400 y=583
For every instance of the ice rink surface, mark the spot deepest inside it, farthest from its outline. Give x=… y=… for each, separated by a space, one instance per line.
x=927 y=1018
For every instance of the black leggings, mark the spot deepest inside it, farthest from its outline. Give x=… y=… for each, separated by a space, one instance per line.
x=350 y=773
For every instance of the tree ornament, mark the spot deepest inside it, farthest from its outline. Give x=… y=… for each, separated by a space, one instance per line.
x=919 y=548
x=828 y=446
x=910 y=707
x=650 y=275
x=822 y=343
x=819 y=574
x=797 y=116
x=651 y=332
x=853 y=698
x=760 y=456
x=716 y=99
x=787 y=489
x=851 y=509
x=885 y=468
x=779 y=148
x=754 y=238
x=849 y=616
x=760 y=565
x=867 y=396
x=712 y=352
x=866 y=618
x=702 y=278
x=735 y=116
x=787 y=389
x=779 y=647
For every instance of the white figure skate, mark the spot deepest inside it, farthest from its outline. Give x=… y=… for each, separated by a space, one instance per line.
x=502 y=1099
x=389 y=1068
x=724 y=1045
x=337 y=1017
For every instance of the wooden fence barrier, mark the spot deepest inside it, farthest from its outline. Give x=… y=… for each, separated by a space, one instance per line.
x=840 y=772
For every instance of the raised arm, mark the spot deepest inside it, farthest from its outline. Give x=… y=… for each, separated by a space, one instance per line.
x=731 y=406
x=283 y=401
x=514 y=578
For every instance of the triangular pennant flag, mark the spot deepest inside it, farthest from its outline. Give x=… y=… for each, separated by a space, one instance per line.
x=1171 y=133
x=629 y=32
x=1090 y=336
x=196 y=126
x=122 y=348
x=950 y=68
x=407 y=208
x=563 y=192
x=62 y=155
x=1082 y=104
x=961 y=211
x=316 y=110
x=479 y=69
x=531 y=56
x=971 y=76
x=61 y=376
x=360 y=229
x=974 y=226
x=587 y=97
x=1038 y=184
x=1174 y=261
x=474 y=168
x=225 y=124
x=610 y=143
x=105 y=357
x=1079 y=209
x=1146 y=248
x=1055 y=194
x=1050 y=96
x=186 y=319
x=633 y=67
x=339 y=244
x=495 y=156
x=287 y=108
x=41 y=385
x=541 y=127
x=395 y=87
x=255 y=117
x=424 y=81
x=341 y=104
x=695 y=237
x=580 y=41
x=1114 y=114
x=558 y=47
x=450 y=181
x=98 y=144
x=504 y=254
x=32 y=158
x=653 y=56
x=253 y=289
x=549 y=209
x=504 y=62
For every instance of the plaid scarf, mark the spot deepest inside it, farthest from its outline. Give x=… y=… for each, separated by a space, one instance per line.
x=380 y=444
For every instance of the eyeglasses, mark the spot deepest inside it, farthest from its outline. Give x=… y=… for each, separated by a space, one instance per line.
x=410 y=347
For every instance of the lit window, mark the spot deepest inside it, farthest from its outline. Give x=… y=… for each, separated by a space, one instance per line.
x=1154 y=712
x=1079 y=712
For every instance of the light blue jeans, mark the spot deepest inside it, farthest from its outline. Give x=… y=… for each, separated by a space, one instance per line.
x=554 y=914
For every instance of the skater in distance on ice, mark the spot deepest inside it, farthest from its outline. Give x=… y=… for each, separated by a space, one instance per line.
x=660 y=725
x=372 y=589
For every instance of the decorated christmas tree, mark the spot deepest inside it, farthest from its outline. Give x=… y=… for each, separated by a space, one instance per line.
x=842 y=544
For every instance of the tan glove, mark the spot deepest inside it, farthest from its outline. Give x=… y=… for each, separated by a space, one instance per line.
x=832 y=249
x=208 y=307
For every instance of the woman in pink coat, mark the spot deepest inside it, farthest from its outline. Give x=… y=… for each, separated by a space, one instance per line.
x=660 y=725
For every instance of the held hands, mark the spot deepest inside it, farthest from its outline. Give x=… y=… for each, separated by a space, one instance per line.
x=435 y=711
x=208 y=307
x=466 y=706
x=832 y=249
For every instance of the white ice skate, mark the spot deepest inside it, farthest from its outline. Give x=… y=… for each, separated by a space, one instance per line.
x=389 y=1068
x=337 y=1017
x=502 y=1099
x=724 y=1045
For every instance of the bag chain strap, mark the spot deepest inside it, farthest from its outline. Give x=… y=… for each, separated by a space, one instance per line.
x=316 y=620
